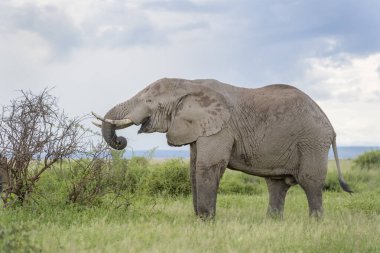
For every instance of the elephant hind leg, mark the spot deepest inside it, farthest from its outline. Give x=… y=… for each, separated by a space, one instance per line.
x=314 y=198
x=311 y=177
x=277 y=192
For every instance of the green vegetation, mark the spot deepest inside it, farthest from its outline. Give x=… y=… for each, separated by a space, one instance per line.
x=369 y=160
x=145 y=206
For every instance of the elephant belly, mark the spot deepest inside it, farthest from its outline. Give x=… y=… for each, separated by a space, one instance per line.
x=270 y=163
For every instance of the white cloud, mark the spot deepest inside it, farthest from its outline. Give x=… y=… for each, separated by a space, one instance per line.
x=100 y=52
x=347 y=88
x=48 y=22
x=346 y=77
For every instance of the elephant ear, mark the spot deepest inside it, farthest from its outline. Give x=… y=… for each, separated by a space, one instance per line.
x=196 y=115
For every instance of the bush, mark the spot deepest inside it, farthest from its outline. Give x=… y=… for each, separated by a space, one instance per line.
x=35 y=134
x=123 y=178
x=103 y=175
x=368 y=160
x=89 y=181
x=170 y=178
x=240 y=183
x=137 y=172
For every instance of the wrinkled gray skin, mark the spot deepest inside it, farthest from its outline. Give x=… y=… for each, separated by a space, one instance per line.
x=276 y=132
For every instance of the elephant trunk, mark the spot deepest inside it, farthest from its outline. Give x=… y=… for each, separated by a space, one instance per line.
x=109 y=135
x=113 y=120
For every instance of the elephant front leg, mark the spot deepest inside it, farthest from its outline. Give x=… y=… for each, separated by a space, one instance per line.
x=212 y=157
x=207 y=184
x=193 y=161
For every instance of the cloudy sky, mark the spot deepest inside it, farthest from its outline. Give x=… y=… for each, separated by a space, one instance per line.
x=97 y=53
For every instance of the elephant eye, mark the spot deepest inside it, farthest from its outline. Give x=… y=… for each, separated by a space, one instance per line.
x=149 y=100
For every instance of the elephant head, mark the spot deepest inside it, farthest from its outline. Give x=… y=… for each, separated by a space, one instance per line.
x=184 y=110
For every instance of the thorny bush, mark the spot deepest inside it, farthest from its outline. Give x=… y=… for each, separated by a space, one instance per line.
x=34 y=135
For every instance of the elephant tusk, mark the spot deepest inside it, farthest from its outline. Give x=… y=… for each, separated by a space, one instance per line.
x=98 y=116
x=97 y=124
x=120 y=123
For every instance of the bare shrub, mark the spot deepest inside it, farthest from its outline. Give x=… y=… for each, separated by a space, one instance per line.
x=89 y=174
x=34 y=135
x=102 y=172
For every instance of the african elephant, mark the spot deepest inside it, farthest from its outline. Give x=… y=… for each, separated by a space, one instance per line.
x=276 y=132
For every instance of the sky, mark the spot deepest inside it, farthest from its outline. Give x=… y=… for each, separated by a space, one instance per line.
x=98 y=53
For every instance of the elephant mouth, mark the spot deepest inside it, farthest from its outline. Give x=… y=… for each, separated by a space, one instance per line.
x=144 y=125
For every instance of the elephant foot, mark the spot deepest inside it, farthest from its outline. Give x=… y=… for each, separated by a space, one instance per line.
x=316 y=214
x=206 y=218
x=275 y=214
x=205 y=214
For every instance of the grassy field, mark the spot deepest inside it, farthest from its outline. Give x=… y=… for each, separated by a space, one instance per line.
x=166 y=223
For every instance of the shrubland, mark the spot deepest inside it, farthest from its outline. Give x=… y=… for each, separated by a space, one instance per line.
x=145 y=206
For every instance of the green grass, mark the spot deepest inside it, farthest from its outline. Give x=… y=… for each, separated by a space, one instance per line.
x=166 y=223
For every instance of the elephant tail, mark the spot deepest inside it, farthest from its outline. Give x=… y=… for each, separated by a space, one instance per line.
x=342 y=183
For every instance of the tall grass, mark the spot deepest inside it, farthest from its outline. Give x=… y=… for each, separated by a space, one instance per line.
x=160 y=216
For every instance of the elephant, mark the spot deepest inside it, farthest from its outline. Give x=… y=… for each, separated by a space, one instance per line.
x=276 y=132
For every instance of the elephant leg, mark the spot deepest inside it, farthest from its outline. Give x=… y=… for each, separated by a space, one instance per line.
x=314 y=198
x=213 y=153
x=207 y=184
x=311 y=177
x=193 y=161
x=277 y=192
